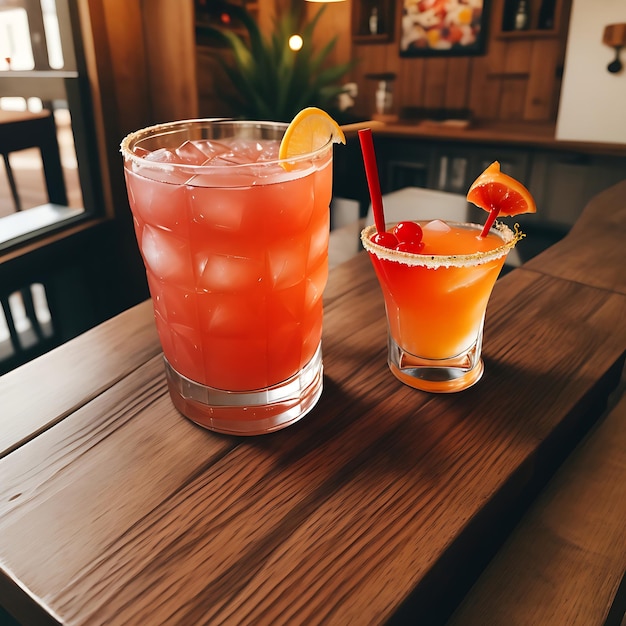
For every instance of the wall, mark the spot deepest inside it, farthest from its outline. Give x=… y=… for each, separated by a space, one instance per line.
x=213 y=82
x=593 y=101
x=135 y=79
x=516 y=80
x=139 y=57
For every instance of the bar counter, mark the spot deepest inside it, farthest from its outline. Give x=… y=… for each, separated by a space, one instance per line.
x=383 y=505
x=536 y=135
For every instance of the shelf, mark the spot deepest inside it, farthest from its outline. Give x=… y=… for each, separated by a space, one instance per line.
x=527 y=34
x=380 y=38
x=544 y=19
x=509 y=75
x=372 y=21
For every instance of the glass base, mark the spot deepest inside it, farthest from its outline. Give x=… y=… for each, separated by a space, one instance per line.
x=248 y=412
x=437 y=376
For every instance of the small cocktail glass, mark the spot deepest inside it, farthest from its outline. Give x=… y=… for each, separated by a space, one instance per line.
x=435 y=303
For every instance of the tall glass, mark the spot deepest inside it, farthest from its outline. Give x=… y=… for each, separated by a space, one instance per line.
x=435 y=302
x=235 y=246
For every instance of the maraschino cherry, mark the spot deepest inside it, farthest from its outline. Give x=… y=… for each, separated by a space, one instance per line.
x=405 y=237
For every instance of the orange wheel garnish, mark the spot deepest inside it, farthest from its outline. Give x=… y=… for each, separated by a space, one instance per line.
x=499 y=193
x=309 y=130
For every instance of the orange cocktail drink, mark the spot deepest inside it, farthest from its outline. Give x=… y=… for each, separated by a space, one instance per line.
x=436 y=300
x=235 y=247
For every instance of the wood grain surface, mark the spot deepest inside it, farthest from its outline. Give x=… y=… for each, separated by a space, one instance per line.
x=54 y=385
x=382 y=505
x=564 y=563
x=527 y=134
x=594 y=252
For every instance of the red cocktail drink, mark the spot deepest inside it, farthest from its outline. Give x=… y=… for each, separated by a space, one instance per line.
x=235 y=247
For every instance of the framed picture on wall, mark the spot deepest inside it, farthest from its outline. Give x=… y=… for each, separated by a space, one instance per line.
x=443 y=27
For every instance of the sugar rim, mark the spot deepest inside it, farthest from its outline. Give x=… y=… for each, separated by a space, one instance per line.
x=509 y=238
x=127 y=144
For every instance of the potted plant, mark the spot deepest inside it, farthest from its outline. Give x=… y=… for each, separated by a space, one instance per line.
x=270 y=81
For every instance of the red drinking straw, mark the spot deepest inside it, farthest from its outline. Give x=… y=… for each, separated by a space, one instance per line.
x=491 y=218
x=371 y=173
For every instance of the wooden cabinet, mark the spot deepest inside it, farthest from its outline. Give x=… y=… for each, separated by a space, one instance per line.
x=542 y=18
x=372 y=21
x=561 y=181
x=564 y=182
x=456 y=166
x=518 y=77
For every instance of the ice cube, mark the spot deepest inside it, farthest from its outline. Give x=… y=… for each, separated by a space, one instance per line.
x=165 y=336
x=437 y=226
x=315 y=284
x=160 y=165
x=167 y=256
x=191 y=154
x=176 y=306
x=287 y=206
x=268 y=151
x=140 y=152
x=158 y=203
x=224 y=160
x=188 y=352
x=210 y=147
x=215 y=209
x=225 y=273
x=247 y=148
x=162 y=155
x=240 y=151
x=286 y=354
x=226 y=314
x=319 y=245
x=287 y=264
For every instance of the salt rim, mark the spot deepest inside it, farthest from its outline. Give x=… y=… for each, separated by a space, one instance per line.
x=509 y=237
x=170 y=127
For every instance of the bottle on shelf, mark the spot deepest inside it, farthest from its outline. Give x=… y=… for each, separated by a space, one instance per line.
x=384 y=98
x=373 y=21
x=521 y=16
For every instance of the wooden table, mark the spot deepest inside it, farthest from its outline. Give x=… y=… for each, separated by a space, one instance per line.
x=382 y=505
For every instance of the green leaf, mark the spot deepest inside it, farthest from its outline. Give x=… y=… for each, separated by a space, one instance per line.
x=272 y=81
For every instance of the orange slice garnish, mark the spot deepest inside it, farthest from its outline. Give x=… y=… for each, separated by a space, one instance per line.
x=309 y=130
x=495 y=190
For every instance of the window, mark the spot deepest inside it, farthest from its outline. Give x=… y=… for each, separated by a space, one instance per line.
x=49 y=182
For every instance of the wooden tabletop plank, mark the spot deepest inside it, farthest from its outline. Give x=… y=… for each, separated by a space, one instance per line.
x=42 y=392
x=143 y=516
x=104 y=472
x=593 y=252
x=562 y=566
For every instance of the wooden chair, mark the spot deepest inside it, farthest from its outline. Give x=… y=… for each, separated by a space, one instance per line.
x=423 y=204
x=23 y=334
x=26 y=326
x=20 y=130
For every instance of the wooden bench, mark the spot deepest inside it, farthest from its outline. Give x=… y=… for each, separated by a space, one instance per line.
x=565 y=562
